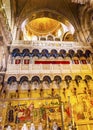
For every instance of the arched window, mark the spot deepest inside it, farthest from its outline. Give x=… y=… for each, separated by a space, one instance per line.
x=25 y=52
x=62 y=53
x=58 y=79
x=71 y=53
x=11 y=79
x=13 y=84
x=46 y=82
x=68 y=79
x=87 y=53
x=79 y=53
x=50 y=38
x=35 y=52
x=47 y=78
x=45 y=53
x=78 y=78
x=16 y=52
x=88 y=77
x=23 y=78
x=35 y=81
x=54 y=53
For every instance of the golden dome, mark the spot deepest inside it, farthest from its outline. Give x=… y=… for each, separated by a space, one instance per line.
x=42 y=26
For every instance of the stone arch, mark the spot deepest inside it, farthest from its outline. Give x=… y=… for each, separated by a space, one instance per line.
x=50 y=37
x=88 y=77
x=23 y=78
x=79 y=53
x=87 y=53
x=57 y=78
x=44 y=13
x=11 y=79
x=35 y=78
x=71 y=52
x=25 y=52
x=49 y=13
x=54 y=53
x=68 y=78
x=15 y=52
x=78 y=78
x=47 y=78
x=45 y=52
x=62 y=53
x=68 y=37
x=35 y=52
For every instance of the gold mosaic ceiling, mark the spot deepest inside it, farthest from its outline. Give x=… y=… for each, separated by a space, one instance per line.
x=42 y=26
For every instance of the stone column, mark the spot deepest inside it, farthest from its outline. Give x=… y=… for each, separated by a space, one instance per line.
x=18 y=33
x=14 y=33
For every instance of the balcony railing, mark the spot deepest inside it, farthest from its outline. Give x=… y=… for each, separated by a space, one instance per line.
x=43 y=43
x=37 y=69
x=48 y=44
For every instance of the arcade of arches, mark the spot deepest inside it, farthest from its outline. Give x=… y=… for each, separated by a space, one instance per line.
x=46 y=65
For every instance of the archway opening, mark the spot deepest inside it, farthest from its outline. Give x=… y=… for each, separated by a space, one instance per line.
x=44 y=26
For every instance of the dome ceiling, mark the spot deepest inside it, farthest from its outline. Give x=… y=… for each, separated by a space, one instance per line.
x=27 y=8
x=23 y=9
x=42 y=26
x=45 y=26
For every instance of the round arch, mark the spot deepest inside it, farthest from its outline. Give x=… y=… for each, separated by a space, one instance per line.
x=71 y=53
x=25 y=52
x=88 y=77
x=35 y=52
x=11 y=79
x=68 y=78
x=15 y=52
x=45 y=52
x=68 y=37
x=23 y=78
x=35 y=78
x=79 y=53
x=58 y=78
x=62 y=53
x=54 y=53
x=47 y=78
x=87 y=53
x=45 y=13
x=78 y=78
x=56 y=14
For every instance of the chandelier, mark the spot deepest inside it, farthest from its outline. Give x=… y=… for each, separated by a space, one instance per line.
x=80 y=1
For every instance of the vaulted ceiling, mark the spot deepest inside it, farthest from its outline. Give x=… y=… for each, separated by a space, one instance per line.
x=80 y=16
x=63 y=9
